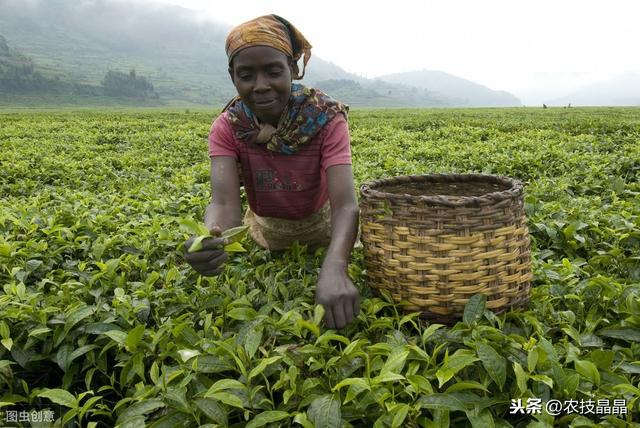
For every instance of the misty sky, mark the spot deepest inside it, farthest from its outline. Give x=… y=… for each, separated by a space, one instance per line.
x=523 y=46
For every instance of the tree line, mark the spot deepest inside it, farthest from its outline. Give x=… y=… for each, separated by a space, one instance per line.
x=118 y=84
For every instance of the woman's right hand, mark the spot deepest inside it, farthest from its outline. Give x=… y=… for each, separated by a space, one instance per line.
x=210 y=259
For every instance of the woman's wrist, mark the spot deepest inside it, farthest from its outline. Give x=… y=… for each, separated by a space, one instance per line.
x=339 y=263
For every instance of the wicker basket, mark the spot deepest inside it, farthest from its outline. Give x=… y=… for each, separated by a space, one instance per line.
x=433 y=241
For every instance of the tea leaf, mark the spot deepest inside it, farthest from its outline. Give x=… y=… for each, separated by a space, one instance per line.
x=544 y=379
x=441 y=401
x=234 y=247
x=264 y=363
x=134 y=337
x=353 y=392
x=118 y=336
x=75 y=315
x=630 y=368
x=187 y=354
x=588 y=370
x=171 y=420
x=628 y=334
x=197 y=245
x=235 y=234
x=307 y=325
x=242 y=314
x=212 y=364
x=81 y=351
x=395 y=362
x=482 y=419
x=494 y=363
x=603 y=359
x=464 y=386
x=329 y=336
x=7 y=343
x=38 y=331
x=474 y=308
x=212 y=410
x=430 y=331
x=420 y=383
x=399 y=415
x=453 y=365
x=266 y=418
x=222 y=385
x=301 y=419
x=60 y=396
x=532 y=359
x=387 y=377
x=227 y=398
x=5 y=333
x=324 y=412
x=362 y=383
x=318 y=314
x=252 y=340
x=521 y=377
x=140 y=408
x=192 y=227
x=154 y=372
x=63 y=356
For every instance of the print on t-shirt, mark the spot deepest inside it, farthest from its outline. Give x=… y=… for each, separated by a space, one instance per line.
x=267 y=180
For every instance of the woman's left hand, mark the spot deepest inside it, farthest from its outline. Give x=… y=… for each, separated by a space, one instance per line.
x=338 y=295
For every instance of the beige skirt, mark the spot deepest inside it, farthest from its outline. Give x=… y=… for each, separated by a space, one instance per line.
x=279 y=234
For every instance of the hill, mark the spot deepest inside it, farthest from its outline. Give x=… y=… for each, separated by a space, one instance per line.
x=182 y=55
x=17 y=72
x=623 y=90
x=460 y=91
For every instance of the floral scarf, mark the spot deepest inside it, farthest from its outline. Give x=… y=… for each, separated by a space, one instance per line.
x=304 y=116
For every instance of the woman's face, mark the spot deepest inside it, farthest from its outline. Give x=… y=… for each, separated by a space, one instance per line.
x=262 y=77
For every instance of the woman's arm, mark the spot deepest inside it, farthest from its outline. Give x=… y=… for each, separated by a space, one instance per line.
x=224 y=211
x=335 y=291
x=221 y=214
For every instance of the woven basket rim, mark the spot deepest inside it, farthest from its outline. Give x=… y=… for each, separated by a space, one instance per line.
x=514 y=190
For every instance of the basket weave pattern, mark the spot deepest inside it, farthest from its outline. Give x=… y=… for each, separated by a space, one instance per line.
x=433 y=241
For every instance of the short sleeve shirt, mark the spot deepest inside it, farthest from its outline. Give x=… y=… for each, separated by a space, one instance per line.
x=279 y=185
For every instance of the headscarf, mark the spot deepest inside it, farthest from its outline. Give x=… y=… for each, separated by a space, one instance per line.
x=307 y=111
x=272 y=31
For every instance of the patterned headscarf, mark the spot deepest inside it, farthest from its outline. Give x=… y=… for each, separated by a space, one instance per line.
x=304 y=116
x=272 y=31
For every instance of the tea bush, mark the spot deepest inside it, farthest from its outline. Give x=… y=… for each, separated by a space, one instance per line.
x=101 y=318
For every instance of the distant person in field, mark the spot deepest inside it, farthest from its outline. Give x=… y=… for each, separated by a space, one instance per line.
x=289 y=146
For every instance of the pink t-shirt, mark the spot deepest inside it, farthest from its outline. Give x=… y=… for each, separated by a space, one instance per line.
x=279 y=185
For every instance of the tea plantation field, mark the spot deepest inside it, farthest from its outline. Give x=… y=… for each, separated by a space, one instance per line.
x=103 y=324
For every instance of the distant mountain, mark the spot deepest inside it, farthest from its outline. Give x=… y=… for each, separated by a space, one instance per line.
x=623 y=90
x=459 y=91
x=77 y=42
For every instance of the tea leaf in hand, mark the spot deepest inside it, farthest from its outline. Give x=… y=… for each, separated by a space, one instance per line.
x=234 y=247
x=235 y=234
x=196 y=245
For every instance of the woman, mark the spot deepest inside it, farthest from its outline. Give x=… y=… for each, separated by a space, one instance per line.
x=290 y=146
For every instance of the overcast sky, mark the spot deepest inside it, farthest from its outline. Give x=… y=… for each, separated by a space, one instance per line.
x=521 y=46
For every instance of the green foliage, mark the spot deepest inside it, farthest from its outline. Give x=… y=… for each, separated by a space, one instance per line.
x=118 y=84
x=99 y=313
